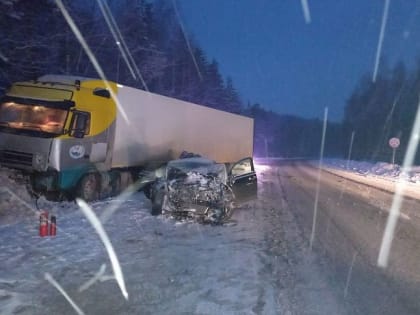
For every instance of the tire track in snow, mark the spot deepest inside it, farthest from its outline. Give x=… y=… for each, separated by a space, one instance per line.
x=300 y=283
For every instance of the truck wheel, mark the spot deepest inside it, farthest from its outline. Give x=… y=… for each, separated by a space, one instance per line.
x=89 y=187
x=125 y=180
x=116 y=185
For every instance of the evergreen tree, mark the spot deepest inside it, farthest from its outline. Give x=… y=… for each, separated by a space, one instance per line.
x=232 y=99
x=381 y=110
x=26 y=49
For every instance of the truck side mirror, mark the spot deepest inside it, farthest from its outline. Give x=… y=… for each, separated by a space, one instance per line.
x=77 y=134
x=79 y=124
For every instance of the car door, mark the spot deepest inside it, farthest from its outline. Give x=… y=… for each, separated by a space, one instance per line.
x=243 y=180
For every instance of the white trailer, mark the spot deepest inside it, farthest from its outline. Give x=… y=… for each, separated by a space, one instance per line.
x=160 y=128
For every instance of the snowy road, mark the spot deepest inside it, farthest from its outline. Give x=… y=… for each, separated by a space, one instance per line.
x=349 y=228
x=258 y=264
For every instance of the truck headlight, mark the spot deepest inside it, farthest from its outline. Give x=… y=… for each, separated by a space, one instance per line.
x=39 y=162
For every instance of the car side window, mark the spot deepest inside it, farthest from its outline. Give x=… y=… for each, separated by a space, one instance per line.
x=242 y=168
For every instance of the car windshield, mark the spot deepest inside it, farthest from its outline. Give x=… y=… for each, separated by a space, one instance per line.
x=191 y=168
x=32 y=117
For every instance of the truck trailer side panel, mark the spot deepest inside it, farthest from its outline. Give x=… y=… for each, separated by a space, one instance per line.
x=159 y=128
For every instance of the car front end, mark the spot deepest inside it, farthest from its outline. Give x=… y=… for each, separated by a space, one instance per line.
x=196 y=189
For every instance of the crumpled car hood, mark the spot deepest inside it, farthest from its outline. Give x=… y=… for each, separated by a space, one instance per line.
x=195 y=192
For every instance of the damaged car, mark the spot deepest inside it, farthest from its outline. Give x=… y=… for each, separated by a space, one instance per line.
x=201 y=189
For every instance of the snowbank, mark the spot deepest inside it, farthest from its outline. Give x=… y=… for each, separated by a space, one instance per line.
x=380 y=169
x=15 y=200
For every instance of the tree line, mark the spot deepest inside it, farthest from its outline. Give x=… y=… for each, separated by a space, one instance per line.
x=151 y=50
x=377 y=111
x=290 y=136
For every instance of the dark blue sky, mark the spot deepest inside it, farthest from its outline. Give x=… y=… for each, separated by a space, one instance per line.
x=291 y=67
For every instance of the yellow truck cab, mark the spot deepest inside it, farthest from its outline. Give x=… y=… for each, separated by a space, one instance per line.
x=59 y=129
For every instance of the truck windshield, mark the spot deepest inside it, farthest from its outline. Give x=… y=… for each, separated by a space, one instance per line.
x=32 y=117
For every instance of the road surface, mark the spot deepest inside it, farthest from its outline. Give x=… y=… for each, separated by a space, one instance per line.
x=350 y=222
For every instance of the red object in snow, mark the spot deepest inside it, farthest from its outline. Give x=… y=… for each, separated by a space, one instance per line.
x=53 y=226
x=43 y=224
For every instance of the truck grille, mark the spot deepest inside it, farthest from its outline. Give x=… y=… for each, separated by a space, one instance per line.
x=10 y=157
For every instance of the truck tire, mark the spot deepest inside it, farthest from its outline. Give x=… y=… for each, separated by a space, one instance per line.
x=89 y=187
x=116 y=185
x=126 y=179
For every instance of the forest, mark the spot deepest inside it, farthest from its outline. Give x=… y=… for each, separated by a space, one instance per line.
x=158 y=54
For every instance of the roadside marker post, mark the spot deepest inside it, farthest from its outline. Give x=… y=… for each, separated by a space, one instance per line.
x=394 y=143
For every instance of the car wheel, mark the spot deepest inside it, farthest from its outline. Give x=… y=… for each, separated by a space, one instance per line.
x=147 y=190
x=157 y=202
x=229 y=204
x=88 y=189
x=227 y=213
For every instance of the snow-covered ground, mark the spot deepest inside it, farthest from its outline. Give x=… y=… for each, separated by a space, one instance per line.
x=378 y=169
x=223 y=274
x=169 y=267
x=380 y=174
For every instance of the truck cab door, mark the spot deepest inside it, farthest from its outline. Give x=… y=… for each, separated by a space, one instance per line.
x=243 y=180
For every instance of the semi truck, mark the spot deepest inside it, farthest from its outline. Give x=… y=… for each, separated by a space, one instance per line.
x=89 y=138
